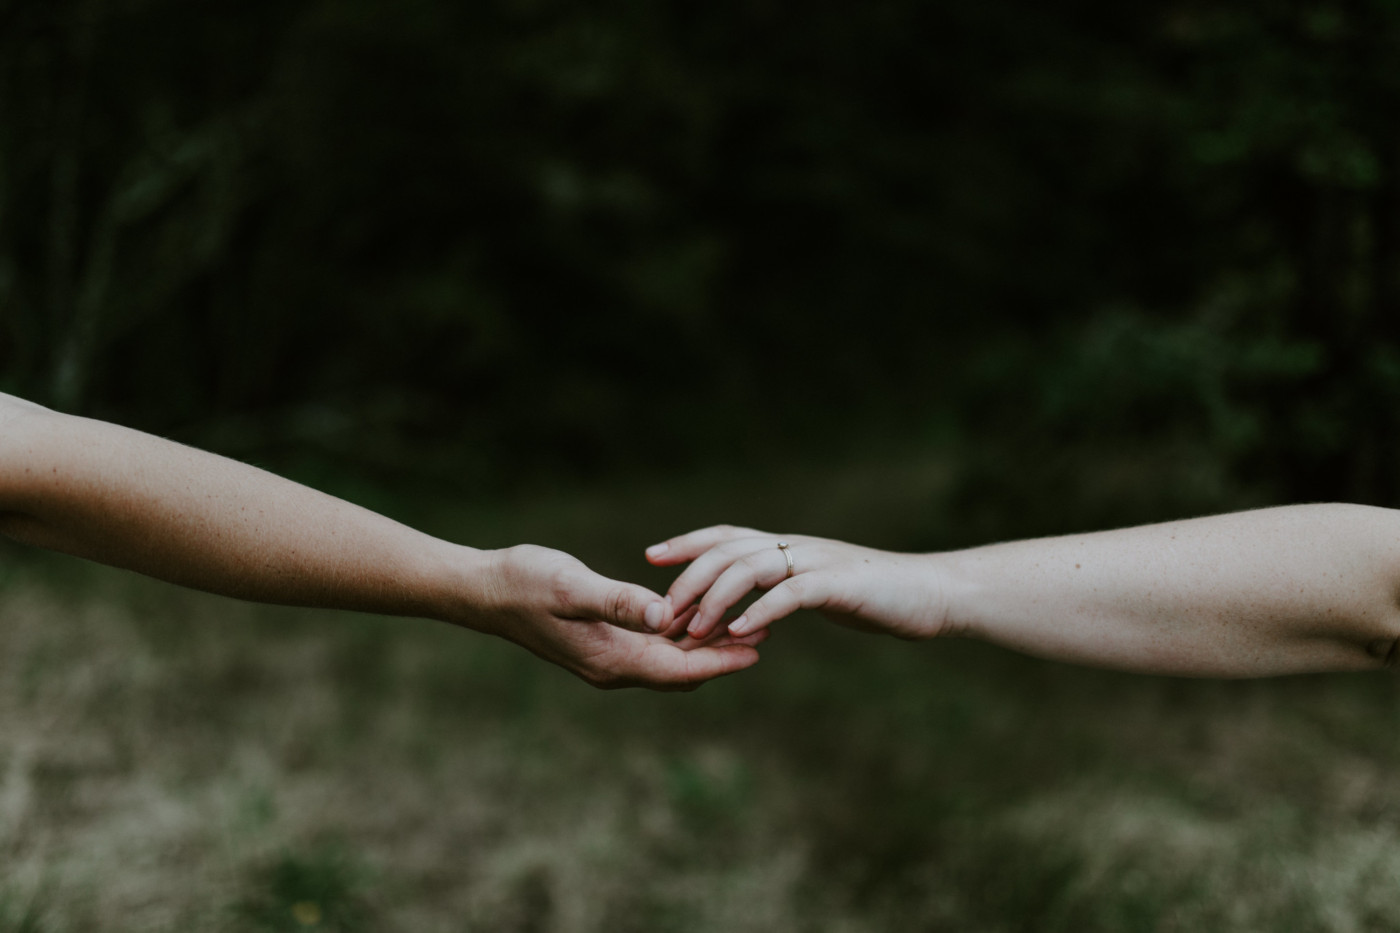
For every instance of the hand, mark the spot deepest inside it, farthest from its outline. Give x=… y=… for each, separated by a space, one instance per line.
x=880 y=591
x=553 y=605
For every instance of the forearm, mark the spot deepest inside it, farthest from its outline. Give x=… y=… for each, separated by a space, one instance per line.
x=125 y=498
x=1272 y=591
x=139 y=502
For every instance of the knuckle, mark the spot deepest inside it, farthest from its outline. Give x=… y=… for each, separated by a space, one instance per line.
x=618 y=604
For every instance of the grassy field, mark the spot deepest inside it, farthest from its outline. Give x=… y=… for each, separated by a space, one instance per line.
x=174 y=761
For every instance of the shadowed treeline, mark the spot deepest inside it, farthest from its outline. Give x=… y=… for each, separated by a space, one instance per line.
x=524 y=238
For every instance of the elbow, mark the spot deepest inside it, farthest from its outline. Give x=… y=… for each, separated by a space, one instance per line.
x=1383 y=651
x=1379 y=636
x=1369 y=640
x=1373 y=623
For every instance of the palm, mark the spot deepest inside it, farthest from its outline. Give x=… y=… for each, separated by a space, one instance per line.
x=552 y=604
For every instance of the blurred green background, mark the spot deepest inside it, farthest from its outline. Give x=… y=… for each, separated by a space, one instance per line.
x=919 y=275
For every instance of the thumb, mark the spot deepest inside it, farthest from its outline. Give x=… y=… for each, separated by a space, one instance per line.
x=622 y=604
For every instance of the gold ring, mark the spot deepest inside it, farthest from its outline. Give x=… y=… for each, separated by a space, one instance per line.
x=783 y=546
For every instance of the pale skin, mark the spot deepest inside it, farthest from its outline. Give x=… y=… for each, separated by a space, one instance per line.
x=1249 y=594
x=110 y=494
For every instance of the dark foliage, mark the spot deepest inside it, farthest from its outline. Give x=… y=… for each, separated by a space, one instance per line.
x=517 y=237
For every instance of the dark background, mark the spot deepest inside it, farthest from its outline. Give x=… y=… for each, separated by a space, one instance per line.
x=501 y=242
x=917 y=275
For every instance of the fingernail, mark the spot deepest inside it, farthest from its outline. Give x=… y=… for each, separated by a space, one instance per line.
x=656 y=550
x=739 y=626
x=655 y=613
x=694 y=627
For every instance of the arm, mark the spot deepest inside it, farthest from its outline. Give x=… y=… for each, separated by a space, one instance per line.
x=128 y=499
x=1274 y=591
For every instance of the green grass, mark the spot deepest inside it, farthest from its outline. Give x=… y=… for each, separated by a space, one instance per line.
x=317 y=889
x=175 y=761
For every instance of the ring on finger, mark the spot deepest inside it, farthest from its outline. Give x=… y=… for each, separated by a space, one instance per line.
x=787 y=555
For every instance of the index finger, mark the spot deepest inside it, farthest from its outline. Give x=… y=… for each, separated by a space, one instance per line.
x=782 y=600
x=691 y=545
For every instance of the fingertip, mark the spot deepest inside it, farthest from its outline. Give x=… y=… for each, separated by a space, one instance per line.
x=718 y=660
x=746 y=656
x=630 y=606
x=679 y=622
x=665 y=554
x=740 y=626
x=705 y=664
x=698 y=627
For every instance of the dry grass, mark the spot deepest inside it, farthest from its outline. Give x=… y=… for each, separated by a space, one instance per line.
x=171 y=761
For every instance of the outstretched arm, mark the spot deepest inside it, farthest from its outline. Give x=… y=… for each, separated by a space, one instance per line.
x=125 y=498
x=1273 y=591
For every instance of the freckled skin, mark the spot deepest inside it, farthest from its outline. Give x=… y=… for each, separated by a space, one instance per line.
x=124 y=498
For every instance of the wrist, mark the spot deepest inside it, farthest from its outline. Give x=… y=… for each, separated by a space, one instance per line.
x=904 y=595
x=461 y=587
x=959 y=596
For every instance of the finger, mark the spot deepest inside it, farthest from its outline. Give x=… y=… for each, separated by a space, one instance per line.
x=809 y=591
x=706 y=569
x=722 y=637
x=679 y=623
x=666 y=666
x=623 y=604
x=689 y=546
x=758 y=570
